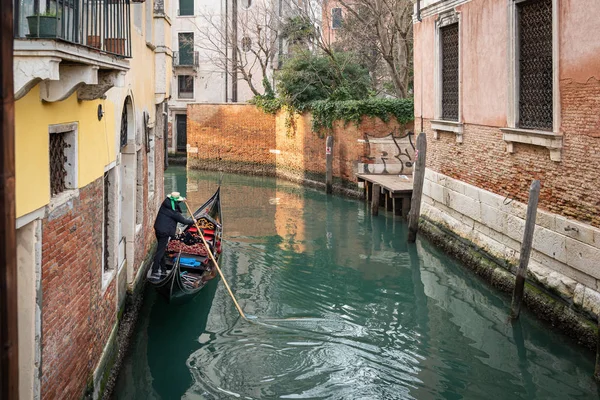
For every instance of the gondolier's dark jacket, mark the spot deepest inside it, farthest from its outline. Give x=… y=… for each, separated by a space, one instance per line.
x=167 y=219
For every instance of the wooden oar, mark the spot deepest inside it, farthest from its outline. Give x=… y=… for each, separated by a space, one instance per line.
x=215 y=263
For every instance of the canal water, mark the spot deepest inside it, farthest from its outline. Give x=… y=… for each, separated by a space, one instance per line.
x=346 y=310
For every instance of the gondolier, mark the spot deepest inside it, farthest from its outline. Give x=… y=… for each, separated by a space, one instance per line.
x=169 y=215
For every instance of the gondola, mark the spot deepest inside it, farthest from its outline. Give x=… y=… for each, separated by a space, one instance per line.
x=188 y=264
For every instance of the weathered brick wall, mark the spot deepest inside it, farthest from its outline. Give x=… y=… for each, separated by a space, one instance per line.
x=569 y=187
x=304 y=151
x=243 y=137
x=233 y=133
x=77 y=317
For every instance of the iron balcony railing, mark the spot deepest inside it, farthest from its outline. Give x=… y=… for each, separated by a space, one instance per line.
x=186 y=59
x=103 y=25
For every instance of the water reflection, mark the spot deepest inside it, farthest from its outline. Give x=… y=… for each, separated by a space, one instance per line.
x=370 y=316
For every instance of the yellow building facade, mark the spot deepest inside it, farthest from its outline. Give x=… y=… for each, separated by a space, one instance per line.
x=90 y=122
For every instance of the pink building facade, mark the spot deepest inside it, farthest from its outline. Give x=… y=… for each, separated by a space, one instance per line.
x=508 y=91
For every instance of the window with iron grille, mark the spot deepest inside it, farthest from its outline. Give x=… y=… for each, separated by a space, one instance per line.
x=63 y=157
x=535 y=64
x=450 y=85
x=186 y=86
x=336 y=18
x=124 y=121
x=58 y=172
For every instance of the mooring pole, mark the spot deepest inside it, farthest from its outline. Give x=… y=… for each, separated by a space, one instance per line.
x=534 y=195
x=418 y=181
x=375 y=199
x=329 y=164
x=9 y=357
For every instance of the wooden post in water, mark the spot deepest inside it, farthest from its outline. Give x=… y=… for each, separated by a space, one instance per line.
x=375 y=199
x=9 y=357
x=534 y=195
x=419 y=179
x=329 y=161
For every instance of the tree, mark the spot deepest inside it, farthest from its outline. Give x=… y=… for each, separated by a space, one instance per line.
x=381 y=30
x=243 y=44
x=309 y=76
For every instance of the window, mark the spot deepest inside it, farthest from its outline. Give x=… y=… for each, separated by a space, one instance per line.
x=246 y=44
x=449 y=64
x=336 y=18
x=186 y=86
x=124 y=123
x=63 y=158
x=186 y=7
x=58 y=173
x=246 y=3
x=535 y=73
x=186 y=48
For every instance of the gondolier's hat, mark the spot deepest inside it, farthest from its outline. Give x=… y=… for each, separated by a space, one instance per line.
x=176 y=196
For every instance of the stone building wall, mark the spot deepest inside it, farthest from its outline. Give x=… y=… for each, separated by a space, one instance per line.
x=477 y=182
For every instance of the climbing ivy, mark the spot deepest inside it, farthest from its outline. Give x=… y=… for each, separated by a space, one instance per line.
x=326 y=112
x=268 y=104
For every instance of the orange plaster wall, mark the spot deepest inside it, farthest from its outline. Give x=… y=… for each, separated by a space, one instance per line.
x=424 y=69
x=483 y=38
x=579 y=40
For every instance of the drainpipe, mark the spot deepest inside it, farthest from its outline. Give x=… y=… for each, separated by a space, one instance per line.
x=226 y=51
x=234 y=55
x=419 y=10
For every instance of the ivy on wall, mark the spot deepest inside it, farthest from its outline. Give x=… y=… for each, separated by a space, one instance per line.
x=325 y=113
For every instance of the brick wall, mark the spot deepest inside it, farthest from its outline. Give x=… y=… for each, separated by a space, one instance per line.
x=230 y=134
x=241 y=138
x=569 y=187
x=76 y=316
x=303 y=151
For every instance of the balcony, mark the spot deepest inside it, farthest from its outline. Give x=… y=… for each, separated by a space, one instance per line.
x=186 y=59
x=71 y=45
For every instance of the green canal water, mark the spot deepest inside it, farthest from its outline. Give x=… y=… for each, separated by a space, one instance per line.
x=347 y=310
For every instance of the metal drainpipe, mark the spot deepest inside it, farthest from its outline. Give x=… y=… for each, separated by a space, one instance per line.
x=419 y=10
x=226 y=51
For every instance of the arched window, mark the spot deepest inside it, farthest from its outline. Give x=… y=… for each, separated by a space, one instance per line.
x=126 y=120
x=246 y=3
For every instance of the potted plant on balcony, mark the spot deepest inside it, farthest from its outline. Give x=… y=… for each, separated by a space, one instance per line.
x=42 y=24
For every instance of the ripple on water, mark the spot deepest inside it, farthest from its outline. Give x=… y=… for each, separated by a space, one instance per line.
x=302 y=358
